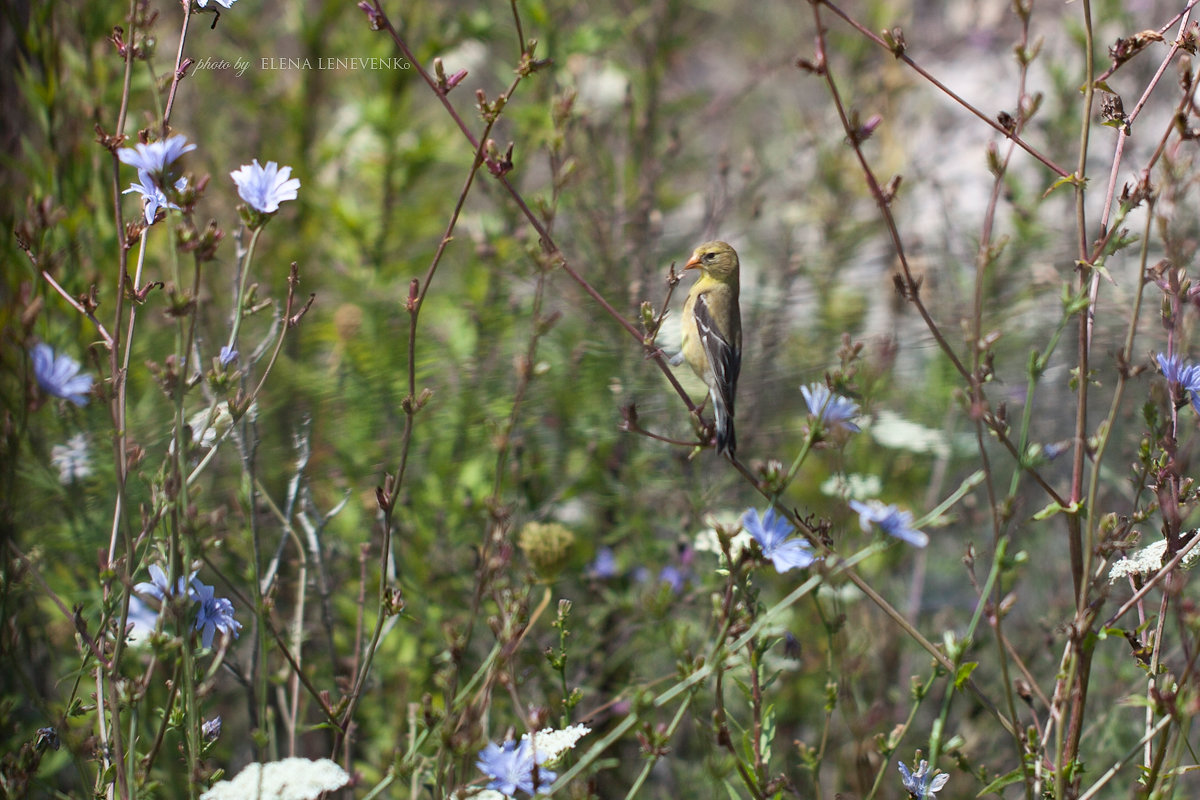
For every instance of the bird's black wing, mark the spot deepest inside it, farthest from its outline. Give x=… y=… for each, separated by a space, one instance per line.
x=724 y=356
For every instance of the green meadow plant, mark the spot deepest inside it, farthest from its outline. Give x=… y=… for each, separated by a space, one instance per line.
x=343 y=454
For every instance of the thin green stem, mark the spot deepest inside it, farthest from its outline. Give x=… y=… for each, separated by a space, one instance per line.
x=1079 y=540
x=885 y=767
x=651 y=761
x=963 y=646
x=239 y=300
x=1131 y=755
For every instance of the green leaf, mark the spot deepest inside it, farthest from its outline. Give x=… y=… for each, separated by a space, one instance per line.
x=1036 y=365
x=1137 y=701
x=1007 y=779
x=1064 y=180
x=1074 y=303
x=964 y=673
x=767 y=737
x=1055 y=508
x=969 y=483
x=1122 y=240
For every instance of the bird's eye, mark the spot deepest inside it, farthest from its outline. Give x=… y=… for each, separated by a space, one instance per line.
x=708 y=257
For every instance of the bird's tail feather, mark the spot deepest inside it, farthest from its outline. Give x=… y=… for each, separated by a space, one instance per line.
x=723 y=415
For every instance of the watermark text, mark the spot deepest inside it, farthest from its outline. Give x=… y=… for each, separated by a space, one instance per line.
x=331 y=63
x=238 y=65
x=275 y=64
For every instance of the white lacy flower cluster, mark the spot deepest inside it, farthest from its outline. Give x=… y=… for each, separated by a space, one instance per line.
x=72 y=459
x=549 y=744
x=852 y=486
x=893 y=431
x=707 y=540
x=1147 y=561
x=289 y=779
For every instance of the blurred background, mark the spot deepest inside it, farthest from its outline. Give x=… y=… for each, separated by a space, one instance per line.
x=651 y=128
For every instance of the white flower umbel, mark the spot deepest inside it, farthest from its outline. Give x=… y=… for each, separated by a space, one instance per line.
x=707 y=540
x=549 y=744
x=893 y=431
x=853 y=486
x=72 y=459
x=1147 y=561
x=289 y=779
x=210 y=424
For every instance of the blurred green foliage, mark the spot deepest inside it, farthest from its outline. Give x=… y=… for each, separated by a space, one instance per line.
x=653 y=127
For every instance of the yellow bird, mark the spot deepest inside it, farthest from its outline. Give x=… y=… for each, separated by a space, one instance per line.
x=712 y=332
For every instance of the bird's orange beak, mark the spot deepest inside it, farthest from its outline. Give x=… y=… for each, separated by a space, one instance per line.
x=694 y=263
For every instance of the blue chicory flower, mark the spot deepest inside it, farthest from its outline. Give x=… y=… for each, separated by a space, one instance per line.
x=153 y=196
x=1185 y=376
x=833 y=410
x=159 y=585
x=155 y=157
x=1177 y=371
x=215 y=614
x=604 y=565
x=771 y=531
x=510 y=766
x=1052 y=450
x=264 y=188
x=228 y=355
x=673 y=576
x=211 y=729
x=59 y=375
x=920 y=785
x=890 y=520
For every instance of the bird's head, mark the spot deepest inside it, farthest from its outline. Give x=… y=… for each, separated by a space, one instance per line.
x=717 y=259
